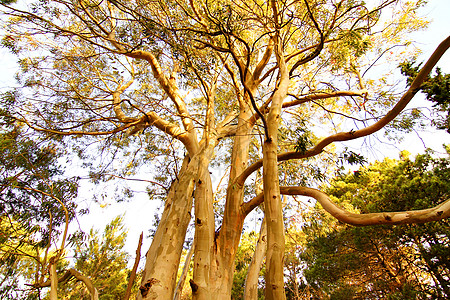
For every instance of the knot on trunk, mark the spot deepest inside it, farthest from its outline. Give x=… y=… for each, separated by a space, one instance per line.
x=194 y=286
x=146 y=286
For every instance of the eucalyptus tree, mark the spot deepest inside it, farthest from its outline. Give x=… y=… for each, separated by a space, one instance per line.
x=240 y=85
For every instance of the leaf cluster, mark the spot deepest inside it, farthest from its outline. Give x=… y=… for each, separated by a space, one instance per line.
x=436 y=88
x=101 y=257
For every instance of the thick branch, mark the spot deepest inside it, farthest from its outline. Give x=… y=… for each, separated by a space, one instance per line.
x=74 y=273
x=265 y=59
x=439 y=212
x=170 y=88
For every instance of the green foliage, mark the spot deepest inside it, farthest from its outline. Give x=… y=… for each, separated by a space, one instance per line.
x=392 y=262
x=352 y=158
x=244 y=256
x=102 y=259
x=303 y=139
x=436 y=89
x=33 y=197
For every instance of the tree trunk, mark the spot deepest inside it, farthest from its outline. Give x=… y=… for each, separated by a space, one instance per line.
x=272 y=197
x=227 y=240
x=251 y=282
x=163 y=257
x=53 y=280
x=204 y=231
x=274 y=221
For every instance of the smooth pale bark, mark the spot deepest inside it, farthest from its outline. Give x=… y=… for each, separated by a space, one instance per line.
x=163 y=257
x=68 y=275
x=53 y=281
x=87 y=282
x=436 y=213
x=227 y=241
x=204 y=230
x=274 y=220
x=439 y=212
x=272 y=198
x=251 y=281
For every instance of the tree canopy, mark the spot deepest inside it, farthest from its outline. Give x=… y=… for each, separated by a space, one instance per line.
x=261 y=89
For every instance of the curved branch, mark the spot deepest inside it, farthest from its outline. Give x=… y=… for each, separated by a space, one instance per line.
x=439 y=212
x=316 y=51
x=68 y=275
x=117 y=102
x=165 y=83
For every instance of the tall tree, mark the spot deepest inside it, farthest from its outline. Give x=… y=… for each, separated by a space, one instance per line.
x=188 y=85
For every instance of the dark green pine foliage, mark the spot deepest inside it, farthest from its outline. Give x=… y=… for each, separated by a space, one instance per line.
x=383 y=262
x=437 y=90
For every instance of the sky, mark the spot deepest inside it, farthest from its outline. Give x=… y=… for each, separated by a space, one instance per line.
x=139 y=214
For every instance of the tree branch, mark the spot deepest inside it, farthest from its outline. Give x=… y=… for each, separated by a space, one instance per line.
x=347 y=136
x=324 y=95
x=135 y=266
x=68 y=275
x=439 y=212
x=316 y=51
